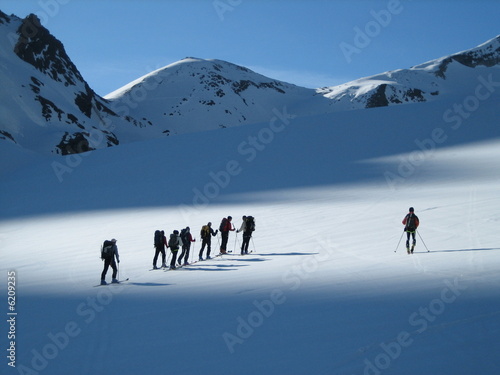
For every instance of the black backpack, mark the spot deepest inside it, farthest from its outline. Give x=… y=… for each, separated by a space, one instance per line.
x=107 y=250
x=173 y=242
x=184 y=236
x=250 y=224
x=410 y=223
x=158 y=239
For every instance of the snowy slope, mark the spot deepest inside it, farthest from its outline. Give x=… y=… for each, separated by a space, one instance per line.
x=324 y=292
x=195 y=94
x=450 y=75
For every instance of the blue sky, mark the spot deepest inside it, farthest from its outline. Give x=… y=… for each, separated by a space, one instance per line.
x=311 y=43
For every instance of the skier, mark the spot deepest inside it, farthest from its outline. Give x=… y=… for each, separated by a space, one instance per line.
x=247 y=227
x=159 y=248
x=174 y=243
x=411 y=224
x=108 y=254
x=225 y=227
x=187 y=238
x=206 y=234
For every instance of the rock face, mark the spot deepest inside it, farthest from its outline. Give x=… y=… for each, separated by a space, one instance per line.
x=46 y=104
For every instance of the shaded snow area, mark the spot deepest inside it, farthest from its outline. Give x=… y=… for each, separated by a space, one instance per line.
x=328 y=287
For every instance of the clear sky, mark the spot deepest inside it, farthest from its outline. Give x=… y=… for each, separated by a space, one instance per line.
x=311 y=43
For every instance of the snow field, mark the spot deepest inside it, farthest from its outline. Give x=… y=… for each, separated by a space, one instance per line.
x=323 y=293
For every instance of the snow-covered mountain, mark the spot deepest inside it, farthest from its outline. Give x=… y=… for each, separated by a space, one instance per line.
x=45 y=104
x=196 y=94
x=48 y=107
x=455 y=74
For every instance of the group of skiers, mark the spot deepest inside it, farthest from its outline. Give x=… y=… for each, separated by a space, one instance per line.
x=181 y=241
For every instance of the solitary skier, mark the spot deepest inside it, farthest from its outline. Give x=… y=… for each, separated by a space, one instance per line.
x=411 y=223
x=108 y=254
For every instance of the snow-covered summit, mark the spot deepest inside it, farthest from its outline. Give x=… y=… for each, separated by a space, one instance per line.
x=196 y=94
x=454 y=74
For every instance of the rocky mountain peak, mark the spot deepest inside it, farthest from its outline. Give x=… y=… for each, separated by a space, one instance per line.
x=38 y=47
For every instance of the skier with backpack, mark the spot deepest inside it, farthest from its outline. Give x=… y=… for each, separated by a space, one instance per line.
x=174 y=243
x=247 y=227
x=224 y=228
x=187 y=238
x=159 y=244
x=109 y=251
x=411 y=223
x=206 y=234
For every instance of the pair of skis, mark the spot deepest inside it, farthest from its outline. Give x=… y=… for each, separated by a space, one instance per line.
x=115 y=283
x=165 y=269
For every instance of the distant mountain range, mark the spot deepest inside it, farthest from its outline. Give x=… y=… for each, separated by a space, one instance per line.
x=46 y=105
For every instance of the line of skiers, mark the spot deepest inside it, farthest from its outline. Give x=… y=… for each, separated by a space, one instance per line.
x=182 y=240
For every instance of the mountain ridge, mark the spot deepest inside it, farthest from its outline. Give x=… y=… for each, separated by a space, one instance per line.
x=48 y=107
x=420 y=83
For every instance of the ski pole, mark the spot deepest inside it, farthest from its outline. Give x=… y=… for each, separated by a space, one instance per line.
x=168 y=257
x=235 y=238
x=399 y=241
x=421 y=239
x=253 y=245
